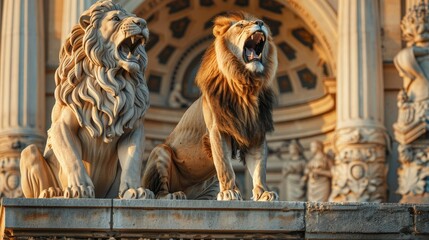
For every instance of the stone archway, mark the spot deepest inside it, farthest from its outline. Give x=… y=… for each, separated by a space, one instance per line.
x=181 y=31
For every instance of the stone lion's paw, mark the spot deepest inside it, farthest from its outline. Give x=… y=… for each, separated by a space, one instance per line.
x=51 y=193
x=229 y=195
x=139 y=193
x=80 y=191
x=267 y=196
x=173 y=196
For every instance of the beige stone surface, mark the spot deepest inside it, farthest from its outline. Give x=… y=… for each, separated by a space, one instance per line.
x=93 y=218
x=360 y=140
x=413 y=103
x=293 y=183
x=101 y=97
x=22 y=79
x=318 y=174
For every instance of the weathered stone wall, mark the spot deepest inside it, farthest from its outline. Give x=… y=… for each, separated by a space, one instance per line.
x=164 y=219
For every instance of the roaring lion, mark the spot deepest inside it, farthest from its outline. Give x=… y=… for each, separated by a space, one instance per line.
x=96 y=141
x=229 y=120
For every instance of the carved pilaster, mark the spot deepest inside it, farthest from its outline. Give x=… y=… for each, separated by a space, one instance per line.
x=72 y=10
x=22 y=87
x=359 y=172
x=413 y=106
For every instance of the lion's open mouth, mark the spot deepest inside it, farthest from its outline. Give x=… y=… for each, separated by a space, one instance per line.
x=128 y=46
x=252 y=50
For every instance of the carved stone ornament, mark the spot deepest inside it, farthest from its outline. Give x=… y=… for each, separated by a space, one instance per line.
x=414 y=172
x=293 y=184
x=10 y=178
x=359 y=166
x=176 y=99
x=101 y=96
x=413 y=106
x=317 y=174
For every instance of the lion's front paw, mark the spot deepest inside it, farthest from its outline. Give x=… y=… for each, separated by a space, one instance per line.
x=260 y=194
x=51 y=193
x=139 y=193
x=80 y=191
x=172 y=196
x=228 y=195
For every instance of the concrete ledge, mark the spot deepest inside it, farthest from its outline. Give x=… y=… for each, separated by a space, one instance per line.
x=164 y=219
x=47 y=217
x=209 y=218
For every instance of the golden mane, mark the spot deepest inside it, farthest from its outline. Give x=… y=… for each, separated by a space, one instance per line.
x=242 y=100
x=104 y=97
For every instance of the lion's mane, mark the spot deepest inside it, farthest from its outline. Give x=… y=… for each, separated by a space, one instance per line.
x=103 y=96
x=242 y=101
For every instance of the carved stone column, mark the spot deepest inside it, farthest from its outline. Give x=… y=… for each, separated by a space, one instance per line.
x=22 y=87
x=413 y=106
x=359 y=172
x=72 y=10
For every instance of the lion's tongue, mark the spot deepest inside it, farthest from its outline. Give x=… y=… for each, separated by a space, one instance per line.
x=251 y=54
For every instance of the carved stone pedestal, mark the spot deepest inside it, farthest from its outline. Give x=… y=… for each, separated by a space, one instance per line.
x=359 y=166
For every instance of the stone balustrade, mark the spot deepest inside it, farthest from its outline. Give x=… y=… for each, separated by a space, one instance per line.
x=165 y=219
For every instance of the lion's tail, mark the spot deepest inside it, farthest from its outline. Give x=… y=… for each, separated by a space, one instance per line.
x=158 y=169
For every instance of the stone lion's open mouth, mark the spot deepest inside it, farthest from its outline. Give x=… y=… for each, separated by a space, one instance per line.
x=252 y=50
x=128 y=46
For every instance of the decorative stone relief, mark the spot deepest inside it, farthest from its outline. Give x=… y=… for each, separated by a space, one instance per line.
x=293 y=184
x=95 y=144
x=176 y=100
x=10 y=178
x=317 y=174
x=413 y=106
x=359 y=165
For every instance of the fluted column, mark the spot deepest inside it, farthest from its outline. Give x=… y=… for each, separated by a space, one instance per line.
x=22 y=87
x=72 y=9
x=360 y=139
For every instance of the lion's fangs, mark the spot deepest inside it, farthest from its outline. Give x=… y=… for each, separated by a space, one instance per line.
x=253 y=47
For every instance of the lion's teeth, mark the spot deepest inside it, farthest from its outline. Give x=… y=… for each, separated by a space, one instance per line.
x=251 y=37
x=263 y=38
x=133 y=39
x=129 y=55
x=260 y=55
x=138 y=56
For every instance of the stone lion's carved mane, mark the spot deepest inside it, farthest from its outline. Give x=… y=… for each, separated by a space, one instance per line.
x=104 y=97
x=242 y=101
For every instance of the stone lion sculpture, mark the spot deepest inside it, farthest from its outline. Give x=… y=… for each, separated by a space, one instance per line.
x=96 y=141
x=228 y=121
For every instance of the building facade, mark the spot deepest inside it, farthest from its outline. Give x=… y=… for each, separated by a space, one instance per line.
x=336 y=83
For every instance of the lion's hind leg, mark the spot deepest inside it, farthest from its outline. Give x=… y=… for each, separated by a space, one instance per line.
x=158 y=173
x=37 y=178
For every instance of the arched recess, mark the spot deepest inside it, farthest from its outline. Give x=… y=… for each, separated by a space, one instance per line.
x=307 y=113
x=319 y=16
